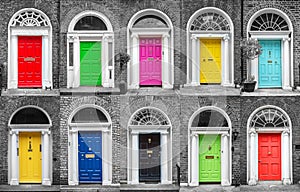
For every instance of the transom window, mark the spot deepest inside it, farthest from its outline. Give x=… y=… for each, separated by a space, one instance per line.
x=90 y=23
x=210 y=22
x=89 y=115
x=209 y=118
x=269 y=22
x=150 y=21
x=269 y=118
x=30 y=18
x=29 y=115
x=149 y=117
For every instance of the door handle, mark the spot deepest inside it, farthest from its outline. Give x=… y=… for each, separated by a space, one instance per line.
x=259 y=161
x=29 y=158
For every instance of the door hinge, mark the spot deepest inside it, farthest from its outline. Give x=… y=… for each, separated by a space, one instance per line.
x=17 y=151
x=40 y=147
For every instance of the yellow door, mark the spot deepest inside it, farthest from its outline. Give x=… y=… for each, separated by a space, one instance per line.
x=210 y=61
x=30 y=157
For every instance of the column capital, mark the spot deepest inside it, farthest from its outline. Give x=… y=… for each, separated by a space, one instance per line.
x=225 y=135
x=48 y=132
x=252 y=132
x=164 y=133
x=73 y=131
x=195 y=135
x=134 y=133
x=14 y=132
x=286 y=132
x=226 y=37
x=135 y=36
x=194 y=38
x=165 y=35
x=286 y=39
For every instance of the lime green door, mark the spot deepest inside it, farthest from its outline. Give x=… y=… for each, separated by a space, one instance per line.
x=209 y=158
x=90 y=64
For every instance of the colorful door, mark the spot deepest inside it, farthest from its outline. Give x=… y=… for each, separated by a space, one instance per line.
x=30 y=157
x=90 y=64
x=210 y=61
x=269 y=156
x=29 y=61
x=209 y=158
x=149 y=160
x=150 y=61
x=269 y=70
x=90 y=157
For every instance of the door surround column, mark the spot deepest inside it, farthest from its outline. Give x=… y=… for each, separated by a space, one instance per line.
x=46 y=158
x=195 y=161
x=14 y=156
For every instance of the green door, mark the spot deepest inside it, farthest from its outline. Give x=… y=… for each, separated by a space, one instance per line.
x=90 y=64
x=209 y=158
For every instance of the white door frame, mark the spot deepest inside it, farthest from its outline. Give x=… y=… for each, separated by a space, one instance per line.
x=286 y=148
x=193 y=147
x=13 y=145
x=105 y=129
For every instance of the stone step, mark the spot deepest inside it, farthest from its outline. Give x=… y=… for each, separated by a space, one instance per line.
x=149 y=188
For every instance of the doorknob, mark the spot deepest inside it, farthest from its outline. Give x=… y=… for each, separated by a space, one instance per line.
x=29 y=158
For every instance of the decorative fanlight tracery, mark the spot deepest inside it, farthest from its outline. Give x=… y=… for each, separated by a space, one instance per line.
x=269 y=118
x=269 y=22
x=30 y=18
x=149 y=116
x=210 y=22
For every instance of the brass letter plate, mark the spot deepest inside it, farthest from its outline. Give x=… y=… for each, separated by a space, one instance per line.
x=209 y=157
x=89 y=156
x=269 y=61
x=29 y=59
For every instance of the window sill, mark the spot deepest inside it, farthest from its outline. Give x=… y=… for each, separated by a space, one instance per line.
x=89 y=91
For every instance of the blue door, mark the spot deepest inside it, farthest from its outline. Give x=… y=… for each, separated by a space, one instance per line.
x=269 y=70
x=90 y=157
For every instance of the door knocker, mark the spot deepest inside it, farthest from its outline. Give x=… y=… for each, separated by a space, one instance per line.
x=209 y=147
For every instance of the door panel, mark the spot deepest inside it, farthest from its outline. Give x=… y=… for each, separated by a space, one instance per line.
x=30 y=159
x=150 y=61
x=90 y=157
x=269 y=156
x=209 y=158
x=29 y=61
x=90 y=64
x=269 y=70
x=149 y=157
x=210 y=61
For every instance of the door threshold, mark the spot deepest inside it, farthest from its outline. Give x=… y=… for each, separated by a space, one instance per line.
x=269 y=182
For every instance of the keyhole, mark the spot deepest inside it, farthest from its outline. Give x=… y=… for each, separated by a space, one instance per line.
x=209 y=147
x=269 y=53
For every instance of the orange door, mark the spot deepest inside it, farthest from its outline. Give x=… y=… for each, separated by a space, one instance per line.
x=269 y=156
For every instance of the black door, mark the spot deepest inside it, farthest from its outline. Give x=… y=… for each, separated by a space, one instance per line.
x=149 y=157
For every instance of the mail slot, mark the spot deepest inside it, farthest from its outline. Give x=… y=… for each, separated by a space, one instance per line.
x=209 y=157
x=29 y=59
x=89 y=156
x=150 y=58
x=269 y=61
x=149 y=152
x=210 y=59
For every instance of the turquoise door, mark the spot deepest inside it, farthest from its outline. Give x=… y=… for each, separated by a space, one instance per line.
x=269 y=67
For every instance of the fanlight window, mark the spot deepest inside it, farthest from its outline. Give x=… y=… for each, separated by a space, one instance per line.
x=90 y=23
x=29 y=19
x=269 y=22
x=209 y=118
x=269 y=118
x=30 y=115
x=150 y=21
x=149 y=117
x=210 y=22
x=89 y=115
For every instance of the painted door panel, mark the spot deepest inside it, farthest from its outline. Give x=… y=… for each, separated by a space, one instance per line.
x=269 y=156
x=29 y=61
x=150 y=61
x=90 y=64
x=90 y=157
x=269 y=70
x=209 y=158
x=149 y=157
x=210 y=61
x=30 y=157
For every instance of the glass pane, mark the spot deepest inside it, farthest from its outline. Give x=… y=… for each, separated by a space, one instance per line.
x=110 y=53
x=30 y=116
x=209 y=118
x=150 y=21
x=70 y=54
x=89 y=115
x=90 y=23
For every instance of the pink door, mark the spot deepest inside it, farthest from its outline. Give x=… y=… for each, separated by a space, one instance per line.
x=150 y=61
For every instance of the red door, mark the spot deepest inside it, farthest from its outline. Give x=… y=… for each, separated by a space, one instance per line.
x=150 y=61
x=269 y=156
x=29 y=61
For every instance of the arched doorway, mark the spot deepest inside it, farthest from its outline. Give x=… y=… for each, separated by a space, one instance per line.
x=210 y=38
x=274 y=31
x=29 y=29
x=90 y=139
x=29 y=151
x=149 y=147
x=269 y=146
x=150 y=42
x=210 y=147
x=90 y=50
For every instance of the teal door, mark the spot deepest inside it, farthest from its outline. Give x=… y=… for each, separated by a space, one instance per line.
x=269 y=67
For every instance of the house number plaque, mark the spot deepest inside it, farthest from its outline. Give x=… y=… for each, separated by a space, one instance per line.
x=29 y=59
